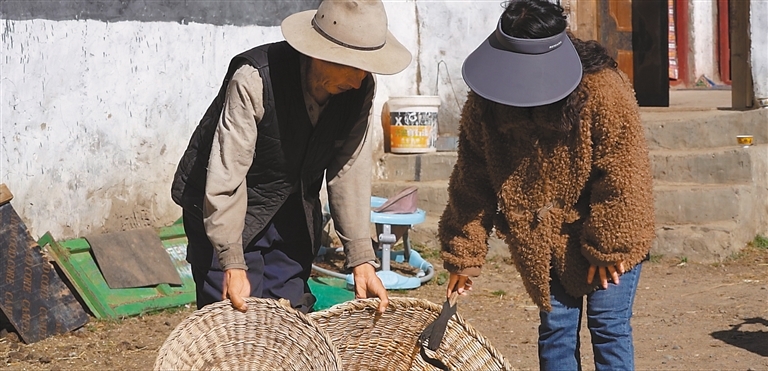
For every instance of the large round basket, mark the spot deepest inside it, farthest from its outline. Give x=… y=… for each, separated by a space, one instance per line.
x=366 y=340
x=269 y=336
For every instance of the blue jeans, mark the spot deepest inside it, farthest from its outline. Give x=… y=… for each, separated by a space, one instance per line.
x=608 y=315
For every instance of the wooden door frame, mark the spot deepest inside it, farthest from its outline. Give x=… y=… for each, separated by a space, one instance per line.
x=682 y=40
x=724 y=41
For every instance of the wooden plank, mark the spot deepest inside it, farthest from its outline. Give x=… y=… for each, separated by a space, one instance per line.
x=621 y=11
x=34 y=299
x=627 y=64
x=614 y=30
x=5 y=194
x=134 y=258
x=650 y=47
x=76 y=261
x=586 y=19
x=742 y=93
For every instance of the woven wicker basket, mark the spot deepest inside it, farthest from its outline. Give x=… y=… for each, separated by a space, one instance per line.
x=368 y=341
x=269 y=336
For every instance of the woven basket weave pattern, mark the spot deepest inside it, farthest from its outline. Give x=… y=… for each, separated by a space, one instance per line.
x=368 y=341
x=268 y=336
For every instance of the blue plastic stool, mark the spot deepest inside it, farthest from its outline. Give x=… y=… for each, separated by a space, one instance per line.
x=390 y=279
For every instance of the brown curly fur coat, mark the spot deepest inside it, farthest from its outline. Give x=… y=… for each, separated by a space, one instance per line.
x=560 y=202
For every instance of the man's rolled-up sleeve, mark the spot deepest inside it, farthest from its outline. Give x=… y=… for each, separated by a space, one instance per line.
x=349 y=189
x=234 y=142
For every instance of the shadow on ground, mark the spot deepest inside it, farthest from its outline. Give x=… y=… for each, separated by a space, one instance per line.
x=747 y=336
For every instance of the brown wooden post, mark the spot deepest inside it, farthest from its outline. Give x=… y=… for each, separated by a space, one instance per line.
x=650 y=52
x=742 y=91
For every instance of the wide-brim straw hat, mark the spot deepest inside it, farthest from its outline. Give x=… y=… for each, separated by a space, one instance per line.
x=348 y=32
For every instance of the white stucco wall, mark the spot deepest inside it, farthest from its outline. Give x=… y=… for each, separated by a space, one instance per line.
x=703 y=29
x=95 y=115
x=758 y=19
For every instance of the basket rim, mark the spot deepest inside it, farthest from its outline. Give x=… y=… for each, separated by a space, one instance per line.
x=404 y=303
x=270 y=306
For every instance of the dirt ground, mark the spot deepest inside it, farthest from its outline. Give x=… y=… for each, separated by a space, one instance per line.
x=686 y=317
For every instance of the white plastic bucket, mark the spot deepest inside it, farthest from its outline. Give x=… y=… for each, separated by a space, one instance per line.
x=413 y=123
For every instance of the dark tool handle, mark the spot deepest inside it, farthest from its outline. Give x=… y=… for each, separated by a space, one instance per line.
x=434 y=332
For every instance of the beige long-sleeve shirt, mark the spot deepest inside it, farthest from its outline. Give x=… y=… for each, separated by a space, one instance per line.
x=348 y=175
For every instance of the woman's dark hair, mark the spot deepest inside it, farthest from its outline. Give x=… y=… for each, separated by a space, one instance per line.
x=533 y=19
x=536 y=19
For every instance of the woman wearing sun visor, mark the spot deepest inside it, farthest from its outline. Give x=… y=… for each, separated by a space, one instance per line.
x=552 y=156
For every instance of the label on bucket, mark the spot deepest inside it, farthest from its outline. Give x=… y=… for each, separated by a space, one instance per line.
x=413 y=131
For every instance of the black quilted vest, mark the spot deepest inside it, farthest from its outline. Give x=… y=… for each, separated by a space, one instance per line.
x=289 y=150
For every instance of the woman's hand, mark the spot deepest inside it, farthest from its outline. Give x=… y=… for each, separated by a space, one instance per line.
x=459 y=283
x=614 y=270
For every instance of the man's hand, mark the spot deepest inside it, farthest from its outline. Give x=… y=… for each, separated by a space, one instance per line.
x=236 y=287
x=368 y=284
x=459 y=283
x=614 y=270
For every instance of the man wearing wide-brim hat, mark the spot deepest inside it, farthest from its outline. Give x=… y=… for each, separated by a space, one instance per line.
x=288 y=115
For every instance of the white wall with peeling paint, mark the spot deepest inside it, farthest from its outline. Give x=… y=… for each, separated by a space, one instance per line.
x=704 y=36
x=758 y=20
x=704 y=39
x=95 y=115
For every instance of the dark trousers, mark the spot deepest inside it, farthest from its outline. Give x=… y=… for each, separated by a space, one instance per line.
x=279 y=259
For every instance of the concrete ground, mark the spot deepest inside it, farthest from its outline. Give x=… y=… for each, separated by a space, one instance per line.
x=691 y=104
x=704 y=99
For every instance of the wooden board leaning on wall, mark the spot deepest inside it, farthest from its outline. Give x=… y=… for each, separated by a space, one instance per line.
x=5 y=194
